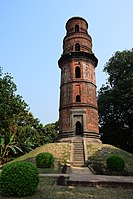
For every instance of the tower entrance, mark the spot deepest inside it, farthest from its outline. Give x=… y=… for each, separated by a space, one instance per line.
x=78 y=129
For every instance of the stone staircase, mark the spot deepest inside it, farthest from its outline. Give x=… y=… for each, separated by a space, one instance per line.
x=78 y=152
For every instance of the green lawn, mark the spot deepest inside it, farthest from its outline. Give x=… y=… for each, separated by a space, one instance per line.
x=48 y=189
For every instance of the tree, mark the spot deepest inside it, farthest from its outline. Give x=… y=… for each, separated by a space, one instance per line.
x=115 y=101
x=20 y=132
x=51 y=132
x=11 y=105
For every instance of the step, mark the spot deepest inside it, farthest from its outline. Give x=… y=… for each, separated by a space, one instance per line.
x=78 y=160
x=81 y=157
x=78 y=155
x=78 y=144
x=87 y=179
x=78 y=164
x=78 y=152
x=78 y=139
x=78 y=148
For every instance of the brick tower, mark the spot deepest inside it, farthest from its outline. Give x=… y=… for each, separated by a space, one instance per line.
x=78 y=112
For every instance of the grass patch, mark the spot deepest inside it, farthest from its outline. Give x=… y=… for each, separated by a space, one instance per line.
x=61 y=152
x=48 y=189
x=98 y=153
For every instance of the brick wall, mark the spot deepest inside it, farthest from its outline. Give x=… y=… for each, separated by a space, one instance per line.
x=78 y=92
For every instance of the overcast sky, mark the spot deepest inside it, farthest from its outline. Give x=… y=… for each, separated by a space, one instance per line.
x=31 y=35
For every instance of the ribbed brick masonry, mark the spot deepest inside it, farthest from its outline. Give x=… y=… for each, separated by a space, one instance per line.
x=78 y=111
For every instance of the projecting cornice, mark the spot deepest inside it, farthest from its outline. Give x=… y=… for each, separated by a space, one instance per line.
x=78 y=55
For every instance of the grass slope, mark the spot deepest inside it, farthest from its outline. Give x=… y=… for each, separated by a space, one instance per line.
x=61 y=152
x=98 y=153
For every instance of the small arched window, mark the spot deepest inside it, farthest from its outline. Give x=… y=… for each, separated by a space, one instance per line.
x=76 y=28
x=77 y=47
x=78 y=98
x=77 y=72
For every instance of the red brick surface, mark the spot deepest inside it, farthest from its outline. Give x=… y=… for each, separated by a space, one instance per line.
x=85 y=86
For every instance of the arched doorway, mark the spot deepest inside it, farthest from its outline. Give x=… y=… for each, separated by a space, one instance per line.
x=79 y=129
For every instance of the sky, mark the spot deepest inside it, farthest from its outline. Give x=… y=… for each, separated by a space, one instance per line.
x=31 y=38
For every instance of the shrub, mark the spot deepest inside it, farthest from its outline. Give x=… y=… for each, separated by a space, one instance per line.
x=19 y=179
x=115 y=163
x=44 y=160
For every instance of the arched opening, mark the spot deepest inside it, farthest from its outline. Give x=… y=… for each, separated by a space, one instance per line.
x=77 y=72
x=78 y=98
x=77 y=47
x=76 y=28
x=78 y=128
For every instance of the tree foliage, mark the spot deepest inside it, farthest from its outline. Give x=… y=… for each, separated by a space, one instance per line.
x=20 y=132
x=115 y=100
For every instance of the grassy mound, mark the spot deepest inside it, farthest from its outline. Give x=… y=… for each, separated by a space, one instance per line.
x=98 y=154
x=60 y=151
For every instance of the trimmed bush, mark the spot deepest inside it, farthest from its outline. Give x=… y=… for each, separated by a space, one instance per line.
x=19 y=179
x=115 y=163
x=44 y=160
